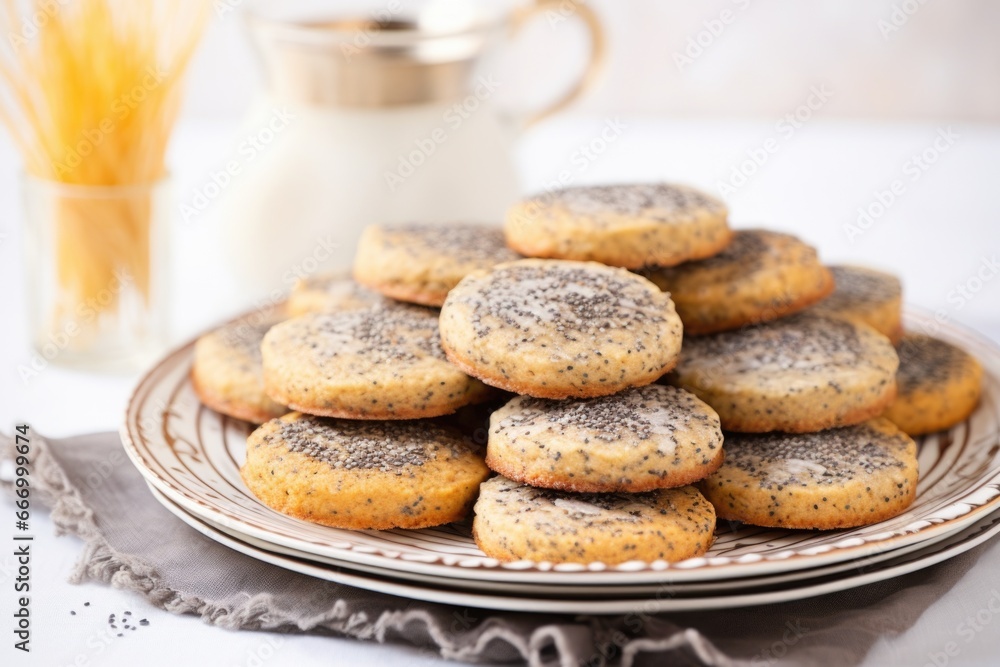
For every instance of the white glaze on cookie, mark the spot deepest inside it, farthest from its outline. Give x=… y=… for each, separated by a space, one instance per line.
x=630 y=225
x=514 y=522
x=799 y=374
x=867 y=296
x=380 y=363
x=331 y=293
x=227 y=373
x=556 y=329
x=939 y=385
x=640 y=439
x=363 y=474
x=760 y=276
x=837 y=478
x=421 y=263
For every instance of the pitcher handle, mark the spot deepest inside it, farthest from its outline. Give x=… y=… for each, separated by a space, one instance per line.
x=594 y=63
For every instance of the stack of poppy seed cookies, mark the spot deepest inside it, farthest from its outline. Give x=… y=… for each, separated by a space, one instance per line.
x=638 y=369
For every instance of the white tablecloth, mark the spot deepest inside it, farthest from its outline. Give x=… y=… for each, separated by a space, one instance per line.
x=941 y=233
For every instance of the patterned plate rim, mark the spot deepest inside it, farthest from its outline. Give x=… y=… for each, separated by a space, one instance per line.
x=683 y=588
x=955 y=516
x=957 y=544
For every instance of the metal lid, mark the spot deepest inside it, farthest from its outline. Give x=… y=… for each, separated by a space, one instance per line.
x=382 y=58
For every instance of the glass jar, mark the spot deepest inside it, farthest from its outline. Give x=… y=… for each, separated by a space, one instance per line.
x=95 y=259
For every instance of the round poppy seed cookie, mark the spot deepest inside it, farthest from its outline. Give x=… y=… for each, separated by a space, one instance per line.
x=839 y=478
x=363 y=474
x=651 y=437
x=760 y=276
x=801 y=373
x=555 y=329
x=421 y=263
x=227 y=372
x=867 y=296
x=938 y=385
x=331 y=293
x=518 y=522
x=629 y=225
x=380 y=363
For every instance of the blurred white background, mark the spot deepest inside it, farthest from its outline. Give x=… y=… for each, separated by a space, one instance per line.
x=885 y=59
x=852 y=93
x=698 y=88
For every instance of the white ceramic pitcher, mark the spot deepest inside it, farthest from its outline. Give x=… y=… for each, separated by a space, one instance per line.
x=384 y=118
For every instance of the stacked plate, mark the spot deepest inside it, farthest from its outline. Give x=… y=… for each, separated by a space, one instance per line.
x=190 y=457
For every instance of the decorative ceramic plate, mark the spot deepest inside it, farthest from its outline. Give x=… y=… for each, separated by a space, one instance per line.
x=663 y=588
x=949 y=547
x=192 y=455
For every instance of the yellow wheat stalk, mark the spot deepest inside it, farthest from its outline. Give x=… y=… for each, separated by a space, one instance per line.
x=91 y=91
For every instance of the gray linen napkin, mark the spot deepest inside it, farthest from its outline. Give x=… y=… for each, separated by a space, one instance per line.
x=134 y=543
